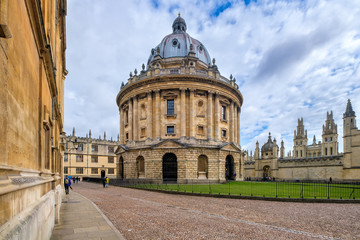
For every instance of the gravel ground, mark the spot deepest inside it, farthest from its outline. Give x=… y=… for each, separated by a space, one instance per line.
x=148 y=215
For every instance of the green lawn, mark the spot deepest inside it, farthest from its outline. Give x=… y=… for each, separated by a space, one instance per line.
x=267 y=189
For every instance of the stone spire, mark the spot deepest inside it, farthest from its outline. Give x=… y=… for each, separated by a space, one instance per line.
x=104 y=135
x=349 y=112
x=314 y=140
x=90 y=133
x=73 y=131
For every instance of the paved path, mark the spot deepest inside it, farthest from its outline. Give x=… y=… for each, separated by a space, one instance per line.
x=149 y=215
x=81 y=219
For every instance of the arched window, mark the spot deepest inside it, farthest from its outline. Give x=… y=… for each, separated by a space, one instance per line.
x=200 y=108
x=202 y=167
x=140 y=166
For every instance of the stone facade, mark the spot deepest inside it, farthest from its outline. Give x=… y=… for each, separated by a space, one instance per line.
x=88 y=157
x=32 y=74
x=179 y=118
x=317 y=161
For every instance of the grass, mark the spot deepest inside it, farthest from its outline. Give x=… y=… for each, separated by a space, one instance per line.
x=266 y=189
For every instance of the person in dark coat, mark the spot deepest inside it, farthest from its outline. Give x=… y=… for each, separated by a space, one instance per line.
x=67 y=184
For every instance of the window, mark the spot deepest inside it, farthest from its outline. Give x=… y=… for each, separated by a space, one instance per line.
x=301 y=153
x=94 y=171
x=314 y=154
x=325 y=151
x=79 y=170
x=201 y=130
x=127 y=136
x=223 y=112
x=79 y=158
x=143 y=132
x=110 y=159
x=66 y=170
x=111 y=171
x=47 y=147
x=94 y=159
x=143 y=111
x=80 y=147
x=223 y=133
x=66 y=158
x=331 y=151
x=170 y=130
x=111 y=149
x=296 y=154
x=170 y=107
x=94 y=148
x=200 y=109
x=126 y=117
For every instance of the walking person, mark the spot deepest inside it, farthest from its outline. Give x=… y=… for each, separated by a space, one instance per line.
x=67 y=184
x=107 y=180
x=104 y=181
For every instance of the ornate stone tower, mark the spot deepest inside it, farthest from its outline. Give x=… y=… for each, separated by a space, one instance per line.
x=300 y=140
x=177 y=103
x=349 y=128
x=329 y=144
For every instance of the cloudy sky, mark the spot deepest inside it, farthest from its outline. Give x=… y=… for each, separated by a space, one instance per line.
x=291 y=59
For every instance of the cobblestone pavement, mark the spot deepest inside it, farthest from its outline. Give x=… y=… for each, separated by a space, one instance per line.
x=141 y=214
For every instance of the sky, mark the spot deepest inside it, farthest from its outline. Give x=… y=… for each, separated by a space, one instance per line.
x=291 y=59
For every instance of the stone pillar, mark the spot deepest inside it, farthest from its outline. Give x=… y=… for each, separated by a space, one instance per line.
x=135 y=119
x=217 y=117
x=182 y=112
x=122 y=128
x=231 y=122
x=235 y=122
x=130 y=115
x=149 y=114
x=209 y=115
x=157 y=113
x=238 y=124
x=191 y=113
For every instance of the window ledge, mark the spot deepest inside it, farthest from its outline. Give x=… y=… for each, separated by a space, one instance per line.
x=223 y=120
x=170 y=115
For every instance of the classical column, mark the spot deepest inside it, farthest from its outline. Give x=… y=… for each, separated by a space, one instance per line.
x=231 y=122
x=235 y=123
x=217 y=117
x=238 y=124
x=157 y=113
x=121 y=111
x=149 y=115
x=209 y=115
x=130 y=116
x=191 y=113
x=182 y=112
x=135 y=119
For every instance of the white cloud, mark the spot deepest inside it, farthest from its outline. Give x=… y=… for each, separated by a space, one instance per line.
x=292 y=59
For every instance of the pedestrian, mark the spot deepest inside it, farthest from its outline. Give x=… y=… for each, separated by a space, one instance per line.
x=104 y=181
x=330 y=180
x=67 y=184
x=107 y=180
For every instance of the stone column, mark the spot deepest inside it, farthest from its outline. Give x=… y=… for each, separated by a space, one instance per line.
x=235 y=123
x=238 y=124
x=130 y=115
x=122 y=128
x=149 y=115
x=135 y=119
x=191 y=113
x=209 y=115
x=217 y=117
x=231 y=122
x=157 y=113
x=182 y=112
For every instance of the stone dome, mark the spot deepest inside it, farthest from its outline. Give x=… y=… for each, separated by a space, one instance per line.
x=180 y=44
x=269 y=145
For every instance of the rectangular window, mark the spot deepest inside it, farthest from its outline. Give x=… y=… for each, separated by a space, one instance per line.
x=47 y=148
x=79 y=170
x=79 y=158
x=127 y=136
x=80 y=147
x=223 y=133
x=300 y=153
x=170 y=107
x=111 y=171
x=170 y=130
x=331 y=151
x=223 y=112
x=143 y=132
x=66 y=170
x=126 y=117
x=325 y=151
x=94 y=171
x=110 y=159
x=94 y=159
x=111 y=149
x=94 y=148
x=66 y=157
x=200 y=130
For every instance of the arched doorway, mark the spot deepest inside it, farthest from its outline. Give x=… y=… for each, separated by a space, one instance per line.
x=169 y=167
x=140 y=166
x=202 y=167
x=229 y=168
x=266 y=172
x=121 y=168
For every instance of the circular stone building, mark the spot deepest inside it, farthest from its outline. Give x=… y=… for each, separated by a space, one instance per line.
x=179 y=118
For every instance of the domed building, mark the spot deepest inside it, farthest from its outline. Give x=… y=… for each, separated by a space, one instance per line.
x=179 y=118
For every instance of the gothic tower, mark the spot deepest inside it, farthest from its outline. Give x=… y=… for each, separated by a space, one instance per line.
x=329 y=144
x=300 y=140
x=349 y=122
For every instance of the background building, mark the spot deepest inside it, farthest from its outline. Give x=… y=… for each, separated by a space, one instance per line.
x=88 y=157
x=32 y=74
x=179 y=118
x=317 y=161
